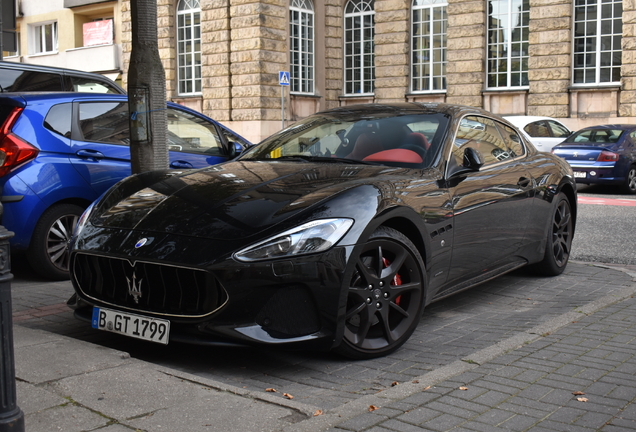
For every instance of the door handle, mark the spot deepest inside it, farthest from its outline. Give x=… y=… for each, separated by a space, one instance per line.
x=180 y=164
x=90 y=154
x=524 y=182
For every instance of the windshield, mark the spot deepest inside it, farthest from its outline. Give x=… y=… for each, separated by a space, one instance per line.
x=594 y=136
x=410 y=140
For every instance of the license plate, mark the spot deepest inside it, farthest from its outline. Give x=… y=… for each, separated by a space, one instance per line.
x=137 y=326
x=580 y=174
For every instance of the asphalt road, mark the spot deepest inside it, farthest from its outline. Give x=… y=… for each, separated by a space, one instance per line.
x=605 y=226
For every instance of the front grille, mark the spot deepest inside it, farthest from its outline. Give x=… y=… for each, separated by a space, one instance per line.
x=148 y=287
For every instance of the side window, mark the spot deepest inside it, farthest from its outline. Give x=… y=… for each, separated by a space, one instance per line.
x=58 y=119
x=105 y=122
x=558 y=130
x=87 y=85
x=482 y=134
x=192 y=134
x=512 y=139
x=537 y=129
x=15 y=80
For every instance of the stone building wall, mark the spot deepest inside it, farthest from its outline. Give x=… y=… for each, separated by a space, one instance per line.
x=392 y=49
x=550 y=52
x=245 y=45
x=627 y=106
x=333 y=53
x=465 y=69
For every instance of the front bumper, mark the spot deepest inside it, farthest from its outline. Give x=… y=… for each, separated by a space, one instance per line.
x=295 y=302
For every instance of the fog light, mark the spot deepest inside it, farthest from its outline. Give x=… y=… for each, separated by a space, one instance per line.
x=593 y=173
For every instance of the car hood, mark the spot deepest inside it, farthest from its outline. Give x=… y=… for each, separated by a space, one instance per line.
x=229 y=201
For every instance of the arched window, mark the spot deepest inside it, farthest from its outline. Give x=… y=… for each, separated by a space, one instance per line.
x=189 y=47
x=428 y=71
x=301 y=59
x=508 y=40
x=359 y=59
x=598 y=28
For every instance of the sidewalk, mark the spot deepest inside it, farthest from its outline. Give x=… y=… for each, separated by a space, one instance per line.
x=575 y=372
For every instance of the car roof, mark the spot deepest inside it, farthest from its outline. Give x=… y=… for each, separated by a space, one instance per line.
x=522 y=120
x=622 y=126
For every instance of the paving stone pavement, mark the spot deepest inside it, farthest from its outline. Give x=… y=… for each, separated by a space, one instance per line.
x=581 y=377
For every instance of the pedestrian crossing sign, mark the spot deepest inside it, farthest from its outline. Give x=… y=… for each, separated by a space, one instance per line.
x=283 y=78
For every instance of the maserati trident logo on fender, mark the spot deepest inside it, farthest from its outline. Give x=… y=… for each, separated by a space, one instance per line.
x=134 y=287
x=141 y=242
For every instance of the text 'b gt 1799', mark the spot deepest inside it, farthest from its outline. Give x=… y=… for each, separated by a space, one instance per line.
x=334 y=233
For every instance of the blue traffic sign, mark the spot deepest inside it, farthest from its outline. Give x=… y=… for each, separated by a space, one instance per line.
x=283 y=78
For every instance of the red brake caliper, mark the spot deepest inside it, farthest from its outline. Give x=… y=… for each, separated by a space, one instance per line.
x=397 y=280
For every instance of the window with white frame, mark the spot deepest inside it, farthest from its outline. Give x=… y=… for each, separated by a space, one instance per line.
x=508 y=35
x=301 y=59
x=428 y=65
x=189 y=47
x=359 y=48
x=598 y=28
x=44 y=38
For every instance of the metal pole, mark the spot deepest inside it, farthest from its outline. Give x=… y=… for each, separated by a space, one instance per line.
x=1 y=32
x=11 y=416
x=282 y=104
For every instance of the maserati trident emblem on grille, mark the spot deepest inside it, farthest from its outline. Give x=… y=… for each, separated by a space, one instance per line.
x=134 y=287
x=141 y=242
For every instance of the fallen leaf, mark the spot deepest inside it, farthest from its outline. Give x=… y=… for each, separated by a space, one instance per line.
x=373 y=408
x=463 y=388
x=317 y=413
x=582 y=399
x=288 y=396
x=578 y=393
x=394 y=383
x=426 y=388
x=415 y=382
x=270 y=390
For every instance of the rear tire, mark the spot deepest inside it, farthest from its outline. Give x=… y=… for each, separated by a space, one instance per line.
x=559 y=241
x=48 y=252
x=629 y=187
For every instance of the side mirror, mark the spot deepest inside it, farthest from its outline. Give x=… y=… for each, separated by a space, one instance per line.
x=472 y=159
x=235 y=149
x=471 y=162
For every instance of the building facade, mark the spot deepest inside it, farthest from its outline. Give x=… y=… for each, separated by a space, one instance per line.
x=574 y=60
x=75 y=34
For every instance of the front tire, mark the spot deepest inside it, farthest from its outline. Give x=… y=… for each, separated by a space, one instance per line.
x=559 y=241
x=385 y=296
x=48 y=252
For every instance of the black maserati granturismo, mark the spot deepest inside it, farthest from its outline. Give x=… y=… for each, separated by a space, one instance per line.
x=334 y=233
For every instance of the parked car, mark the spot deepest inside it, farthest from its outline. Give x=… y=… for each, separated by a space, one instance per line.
x=603 y=154
x=334 y=233
x=60 y=151
x=24 y=77
x=543 y=132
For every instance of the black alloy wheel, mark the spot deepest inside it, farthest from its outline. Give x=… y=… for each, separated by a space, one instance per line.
x=48 y=252
x=630 y=181
x=559 y=242
x=385 y=296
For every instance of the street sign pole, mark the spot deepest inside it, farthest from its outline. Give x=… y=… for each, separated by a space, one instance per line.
x=283 y=80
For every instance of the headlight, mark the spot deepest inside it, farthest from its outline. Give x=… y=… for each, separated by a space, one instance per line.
x=312 y=237
x=83 y=220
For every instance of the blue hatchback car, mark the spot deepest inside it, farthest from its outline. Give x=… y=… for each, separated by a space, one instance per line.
x=60 y=151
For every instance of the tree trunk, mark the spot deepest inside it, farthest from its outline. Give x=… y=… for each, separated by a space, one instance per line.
x=146 y=92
